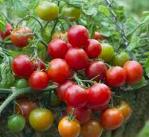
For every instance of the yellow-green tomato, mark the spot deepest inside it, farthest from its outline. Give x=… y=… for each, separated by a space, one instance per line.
x=72 y=13
x=107 y=53
x=47 y=10
x=41 y=119
x=121 y=59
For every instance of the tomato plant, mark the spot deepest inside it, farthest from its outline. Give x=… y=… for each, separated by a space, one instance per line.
x=69 y=128
x=41 y=119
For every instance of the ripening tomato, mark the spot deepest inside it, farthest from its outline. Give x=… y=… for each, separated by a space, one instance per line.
x=121 y=59
x=93 y=48
x=116 y=76
x=98 y=95
x=83 y=115
x=76 y=96
x=41 y=119
x=71 y=13
x=58 y=70
x=38 y=80
x=16 y=123
x=77 y=58
x=69 y=128
x=91 y=129
x=97 y=70
x=7 y=32
x=57 y=48
x=47 y=10
x=24 y=107
x=98 y=36
x=111 y=119
x=21 y=83
x=107 y=52
x=78 y=36
x=20 y=37
x=39 y=64
x=134 y=72
x=62 y=89
x=126 y=109
x=22 y=66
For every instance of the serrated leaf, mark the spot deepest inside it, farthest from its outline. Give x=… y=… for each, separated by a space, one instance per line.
x=104 y=10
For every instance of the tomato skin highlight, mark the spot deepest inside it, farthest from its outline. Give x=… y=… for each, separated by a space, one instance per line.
x=38 y=80
x=116 y=76
x=134 y=72
x=93 y=48
x=77 y=58
x=111 y=119
x=78 y=36
x=91 y=129
x=63 y=88
x=57 y=48
x=76 y=96
x=58 y=70
x=41 y=119
x=24 y=107
x=20 y=37
x=83 y=115
x=97 y=69
x=47 y=10
x=22 y=66
x=98 y=95
x=69 y=128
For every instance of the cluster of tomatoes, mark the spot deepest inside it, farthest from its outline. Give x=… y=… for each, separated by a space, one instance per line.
x=74 y=55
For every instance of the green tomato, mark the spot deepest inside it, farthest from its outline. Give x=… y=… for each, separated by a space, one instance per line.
x=21 y=83
x=16 y=123
x=54 y=100
x=72 y=13
x=107 y=52
x=119 y=60
x=47 y=10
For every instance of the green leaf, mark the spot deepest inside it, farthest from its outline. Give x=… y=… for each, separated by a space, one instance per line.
x=147 y=67
x=104 y=10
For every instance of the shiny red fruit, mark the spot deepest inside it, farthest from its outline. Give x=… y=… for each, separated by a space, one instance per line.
x=38 y=80
x=78 y=36
x=58 y=70
x=77 y=58
x=22 y=66
x=57 y=48
x=7 y=31
x=97 y=70
x=76 y=96
x=98 y=95
x=134 y=72
x=93 y=48
x=39 y=65
x=116 y=76
x=83 y=115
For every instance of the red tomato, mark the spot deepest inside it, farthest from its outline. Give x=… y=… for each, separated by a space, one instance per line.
x=58 y=70
x=134 y=72
x=98 y=95
x=57 y=48
x=21 y=36
x=62 y=89
x=39 y=64
x=93 y=48
x=38 y=80
x=98 y=36
x=112 y=119
x=24 y=107
x=76 y=96
x=78 y=36
x=97 y=69
x=116 y=76
x=7 y=31
x=83 y=115
x=22 y=66
x=100 y=108
x=77 y=58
